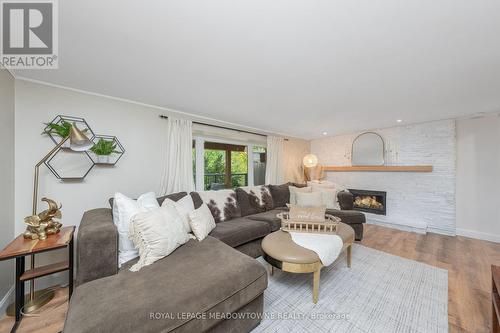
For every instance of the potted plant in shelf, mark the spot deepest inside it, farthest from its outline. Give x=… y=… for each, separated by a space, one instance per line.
x=61 y=130
x=103 y=150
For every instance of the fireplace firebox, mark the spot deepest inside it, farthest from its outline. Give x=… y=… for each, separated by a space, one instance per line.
x=369 y=201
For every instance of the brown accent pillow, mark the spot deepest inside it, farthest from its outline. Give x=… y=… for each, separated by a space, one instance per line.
x=313 y=214
x=298 y=184
x=197 y=201
x=174 y=197
x=280 y=194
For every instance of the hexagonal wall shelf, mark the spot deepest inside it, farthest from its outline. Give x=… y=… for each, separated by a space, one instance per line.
x=107 y=159
x=66 y=164
x=79 y=122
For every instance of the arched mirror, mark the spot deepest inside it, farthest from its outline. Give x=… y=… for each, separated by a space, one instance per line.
x=368 y=149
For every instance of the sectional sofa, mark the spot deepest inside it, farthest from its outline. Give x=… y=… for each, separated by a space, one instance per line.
x=191 y=289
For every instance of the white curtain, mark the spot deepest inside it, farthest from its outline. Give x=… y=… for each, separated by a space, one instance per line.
x=274 y=162
x=177 y=174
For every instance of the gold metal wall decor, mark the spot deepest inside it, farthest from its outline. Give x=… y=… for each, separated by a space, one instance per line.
x=43 y=224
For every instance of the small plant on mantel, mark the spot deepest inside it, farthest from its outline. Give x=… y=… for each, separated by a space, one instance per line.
x=103 y=149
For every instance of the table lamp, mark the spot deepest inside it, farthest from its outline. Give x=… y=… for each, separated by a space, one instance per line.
x=312 y=170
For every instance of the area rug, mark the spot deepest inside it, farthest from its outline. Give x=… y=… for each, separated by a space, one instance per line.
x=380 y=293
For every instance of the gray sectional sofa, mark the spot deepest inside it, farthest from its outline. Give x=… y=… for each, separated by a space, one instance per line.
x=191 y=289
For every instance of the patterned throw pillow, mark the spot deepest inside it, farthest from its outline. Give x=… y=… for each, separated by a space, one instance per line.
x=254 y=199
x=222 y=204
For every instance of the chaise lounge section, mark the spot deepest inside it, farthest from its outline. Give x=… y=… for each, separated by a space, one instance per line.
x=184 y=292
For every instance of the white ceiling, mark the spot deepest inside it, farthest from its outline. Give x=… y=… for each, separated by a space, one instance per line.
x=300 y=67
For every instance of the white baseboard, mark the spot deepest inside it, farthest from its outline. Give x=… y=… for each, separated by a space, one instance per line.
x=6 y=300
x=423 y=230
x=442 y=231
x=417 y=229
x=478 y=235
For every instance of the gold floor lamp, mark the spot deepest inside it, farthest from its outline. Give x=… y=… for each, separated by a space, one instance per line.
x=79 y=142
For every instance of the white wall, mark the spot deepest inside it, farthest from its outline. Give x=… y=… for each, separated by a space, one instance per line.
x=415 y=201
x=6 y=179
x=478 y=178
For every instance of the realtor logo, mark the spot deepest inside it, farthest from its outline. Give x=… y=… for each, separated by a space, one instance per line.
x=29 y=34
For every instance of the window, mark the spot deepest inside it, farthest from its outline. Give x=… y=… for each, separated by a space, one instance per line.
x=259 y=165
x=224 y=165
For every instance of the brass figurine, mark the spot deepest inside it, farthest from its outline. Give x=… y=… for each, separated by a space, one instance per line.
x=43 y=224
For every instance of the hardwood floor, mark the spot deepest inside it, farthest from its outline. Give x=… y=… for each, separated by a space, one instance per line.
x=50 y=318
x=467 y=260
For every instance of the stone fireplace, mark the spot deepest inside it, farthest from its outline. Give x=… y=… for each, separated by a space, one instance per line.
x=369 y=201
x=417 y=201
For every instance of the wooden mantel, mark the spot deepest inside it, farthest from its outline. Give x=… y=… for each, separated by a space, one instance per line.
x=381 y=168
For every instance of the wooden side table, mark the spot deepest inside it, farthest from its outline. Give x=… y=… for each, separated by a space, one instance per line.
x=20 y=247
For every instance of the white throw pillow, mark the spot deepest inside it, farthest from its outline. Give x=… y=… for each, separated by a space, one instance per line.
x=156 y=234
x=184 y=206
x=123 y=210
x=313 y=199
x=326 y=185
x=329 y=198
x=327 y=189
x=202 y=222
x=294 y=190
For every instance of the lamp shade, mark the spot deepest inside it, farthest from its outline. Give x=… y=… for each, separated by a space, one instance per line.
x=79 y=141
x=310 y=160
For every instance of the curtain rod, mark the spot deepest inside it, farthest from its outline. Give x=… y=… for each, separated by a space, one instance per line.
x=223 y=127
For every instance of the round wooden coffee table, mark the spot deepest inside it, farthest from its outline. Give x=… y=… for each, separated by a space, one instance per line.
x=282 y=252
